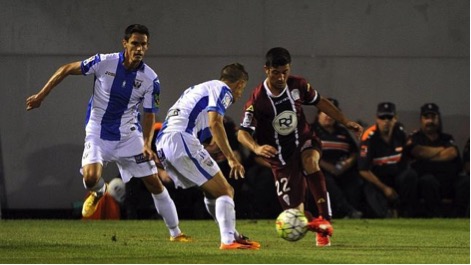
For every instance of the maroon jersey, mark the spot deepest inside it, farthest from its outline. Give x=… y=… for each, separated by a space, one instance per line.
x=279 y=121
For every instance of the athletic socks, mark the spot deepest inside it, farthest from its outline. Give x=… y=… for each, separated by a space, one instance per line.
x=210 y=205
x=166 y=208
x=225 y=215
x=99 y=187
x=316 y=184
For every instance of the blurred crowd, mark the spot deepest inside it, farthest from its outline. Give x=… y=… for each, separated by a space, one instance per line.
x=388 y=173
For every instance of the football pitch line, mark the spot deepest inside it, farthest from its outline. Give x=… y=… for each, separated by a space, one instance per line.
x=354 y=241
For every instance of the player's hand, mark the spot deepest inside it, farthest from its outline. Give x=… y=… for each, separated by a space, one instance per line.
x=237 y=170
x=33 y=102
x=267 y=151
x=355 y=127
x=148 y=153
x=390 y=193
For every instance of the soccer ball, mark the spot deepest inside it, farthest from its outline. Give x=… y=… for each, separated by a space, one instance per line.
x=117 y=189
x=291 y=225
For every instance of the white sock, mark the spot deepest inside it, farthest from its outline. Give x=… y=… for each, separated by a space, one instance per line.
x=166 y=208
x=211 y=207
x=99 y=187
x=225 y=215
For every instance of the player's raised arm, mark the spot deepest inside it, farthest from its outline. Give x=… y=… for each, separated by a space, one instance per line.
x=35 y=100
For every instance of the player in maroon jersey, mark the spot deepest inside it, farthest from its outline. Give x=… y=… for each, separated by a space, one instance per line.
x=275 y=127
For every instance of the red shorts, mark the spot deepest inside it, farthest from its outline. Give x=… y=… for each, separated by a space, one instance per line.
x=290 y=180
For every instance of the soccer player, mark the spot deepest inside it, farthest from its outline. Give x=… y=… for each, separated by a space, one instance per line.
x=197 y=115
x=113 y=130
x=282 y=136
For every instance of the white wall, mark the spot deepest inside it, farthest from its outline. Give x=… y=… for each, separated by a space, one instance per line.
x=360 y=52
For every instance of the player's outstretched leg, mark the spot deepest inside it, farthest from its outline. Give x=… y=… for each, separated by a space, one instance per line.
x=165 y=207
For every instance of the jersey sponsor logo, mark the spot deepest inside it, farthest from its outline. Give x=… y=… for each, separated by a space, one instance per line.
x=285 y=123
x=280 y=101
x=140 y=159
x=247 y=119
x=295 y=94
x=110 y=73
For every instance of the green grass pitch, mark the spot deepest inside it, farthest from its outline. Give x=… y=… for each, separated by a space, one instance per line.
x=354 y=241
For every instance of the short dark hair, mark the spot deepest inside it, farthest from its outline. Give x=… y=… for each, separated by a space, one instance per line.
x=234 y=72
x=277 y=56
x=135 y=28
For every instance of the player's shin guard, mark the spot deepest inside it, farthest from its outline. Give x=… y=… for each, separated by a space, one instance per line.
x=225 y=215
x=166 y=208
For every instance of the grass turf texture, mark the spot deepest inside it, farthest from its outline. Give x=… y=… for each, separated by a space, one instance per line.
x=354 y=241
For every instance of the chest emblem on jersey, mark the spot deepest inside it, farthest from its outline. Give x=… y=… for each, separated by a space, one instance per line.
x=285 y=122
x=295 y=94
x=137 y=84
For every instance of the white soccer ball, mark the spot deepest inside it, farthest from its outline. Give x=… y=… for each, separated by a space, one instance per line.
x=117 y=189
x=291 y=225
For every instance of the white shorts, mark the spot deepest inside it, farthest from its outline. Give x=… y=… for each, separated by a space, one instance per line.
x=126 y=153
x=185 y=159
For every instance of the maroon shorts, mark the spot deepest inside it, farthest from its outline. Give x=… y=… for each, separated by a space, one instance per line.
x=290 y=182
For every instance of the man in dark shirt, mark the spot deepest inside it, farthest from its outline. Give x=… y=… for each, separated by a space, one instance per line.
x=436 y=160
x=389 y=181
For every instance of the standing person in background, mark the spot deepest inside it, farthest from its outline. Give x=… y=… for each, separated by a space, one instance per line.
x=339 y=164
x=113 y=132
x=390 y=184
x=436 y=160
x=197 y=115
x=281 y=134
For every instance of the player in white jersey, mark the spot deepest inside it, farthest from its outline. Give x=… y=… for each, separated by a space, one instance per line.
x=113 y=131
x=197 y=115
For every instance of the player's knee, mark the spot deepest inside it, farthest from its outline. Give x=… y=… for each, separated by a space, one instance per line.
x=90 y=178
x=311 y=164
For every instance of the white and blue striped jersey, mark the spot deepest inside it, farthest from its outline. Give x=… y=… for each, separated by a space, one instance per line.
x=190 y=112
x=117 y=93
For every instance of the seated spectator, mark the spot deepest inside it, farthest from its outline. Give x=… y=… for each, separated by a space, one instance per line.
x=461 y=207
x=339 y=164
x=436 y=160
x=390 y=185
